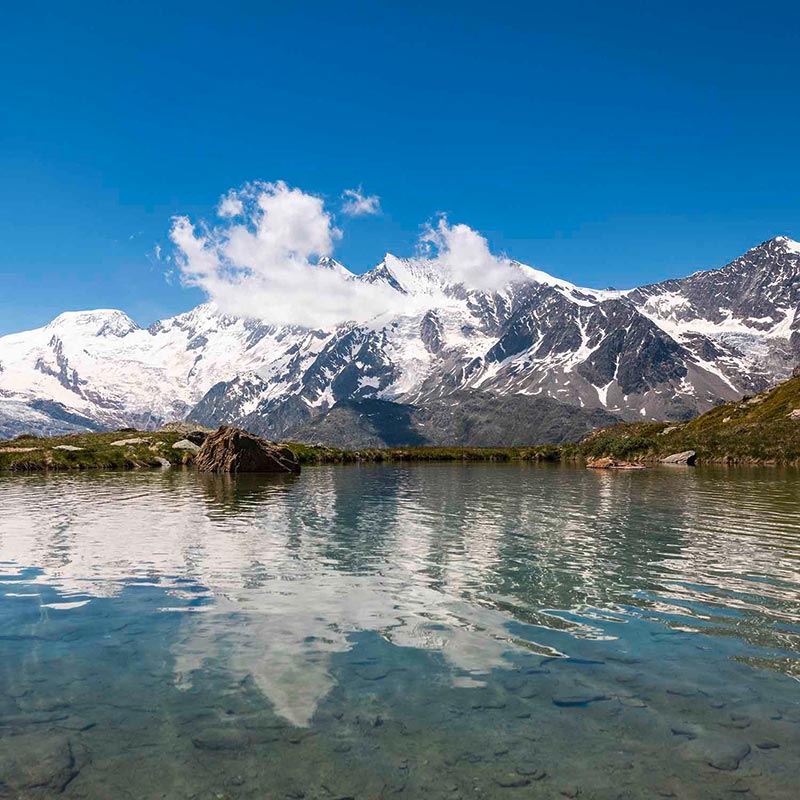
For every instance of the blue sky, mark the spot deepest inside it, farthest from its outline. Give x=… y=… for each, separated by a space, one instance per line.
x=607 y=143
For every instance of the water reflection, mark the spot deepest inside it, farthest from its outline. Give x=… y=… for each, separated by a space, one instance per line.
x=304 y=589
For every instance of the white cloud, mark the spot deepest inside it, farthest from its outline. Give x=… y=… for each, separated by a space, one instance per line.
x=357 y=204
x=463 y=255
x=260 y=260
x=230 y=205
x=263 y=264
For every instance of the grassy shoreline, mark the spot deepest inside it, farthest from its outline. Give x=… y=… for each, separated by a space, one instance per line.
x=764 y=429
x=98 y=451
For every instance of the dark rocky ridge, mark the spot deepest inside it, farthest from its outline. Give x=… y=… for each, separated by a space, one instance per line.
x=469 y=419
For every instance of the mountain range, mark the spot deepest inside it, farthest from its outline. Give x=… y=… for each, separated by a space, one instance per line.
x=541 y=360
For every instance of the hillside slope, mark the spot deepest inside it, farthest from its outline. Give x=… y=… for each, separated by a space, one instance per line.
x=764 y=428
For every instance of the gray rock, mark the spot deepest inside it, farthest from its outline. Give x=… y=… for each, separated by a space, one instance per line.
x=163 y=461
x=44 y=766
x=512 y=781
x=129 y=442
x=70 y=448
x=728 y=757
x=612 y=463
x=185 y=444
x=687 y=457
x=633 y=702
x=689 y=731
x=531 y=771
x=578 y=700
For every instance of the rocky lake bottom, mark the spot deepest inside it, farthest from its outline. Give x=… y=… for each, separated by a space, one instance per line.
x=420 y=631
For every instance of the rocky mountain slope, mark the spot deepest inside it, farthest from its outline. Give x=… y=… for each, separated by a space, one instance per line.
x=463 y=419
x=664 y=351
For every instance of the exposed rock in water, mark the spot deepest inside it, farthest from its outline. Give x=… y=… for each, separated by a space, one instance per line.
x=233 y=450
x=687 y=457
x=611 y=463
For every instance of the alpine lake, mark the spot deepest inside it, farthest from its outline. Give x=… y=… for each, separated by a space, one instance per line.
x=401 y=631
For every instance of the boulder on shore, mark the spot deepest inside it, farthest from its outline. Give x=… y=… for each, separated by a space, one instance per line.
x=233 y=450
x=687 y=457
x=197 y=436
x=186 y=444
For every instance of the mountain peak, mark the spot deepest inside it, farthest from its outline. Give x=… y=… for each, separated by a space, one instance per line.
x=326 y=262
x=412 y=276
x=785 y=243
x=97 y=322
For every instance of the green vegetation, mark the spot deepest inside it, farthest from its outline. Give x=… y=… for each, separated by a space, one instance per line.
x=96 y=451
x=315 y=454
x=754 y=430
x=759 y=430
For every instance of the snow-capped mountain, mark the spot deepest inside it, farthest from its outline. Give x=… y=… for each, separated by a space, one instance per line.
x=664 y=351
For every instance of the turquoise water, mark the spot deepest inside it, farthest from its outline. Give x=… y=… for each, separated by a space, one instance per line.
x=417 y=631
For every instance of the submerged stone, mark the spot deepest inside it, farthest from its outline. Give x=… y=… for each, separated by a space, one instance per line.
x=578 y=700
x=512 y=781
x=531 y=771
x=728 y=757
x=221 y=739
